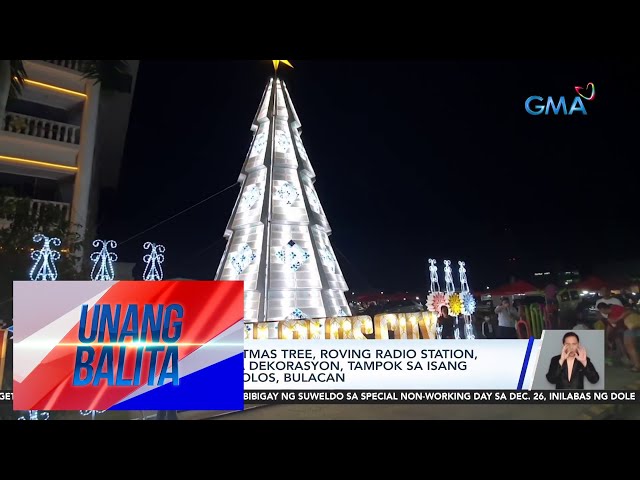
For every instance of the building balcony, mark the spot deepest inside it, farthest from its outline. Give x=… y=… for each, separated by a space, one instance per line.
x=38 y=208
x=69 y=64
x=36 y=147
x=40 y=127
x=57 y=86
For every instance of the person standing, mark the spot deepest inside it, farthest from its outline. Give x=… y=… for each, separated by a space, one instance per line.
x=613 y=334
x=447 y=322
x=507 y=318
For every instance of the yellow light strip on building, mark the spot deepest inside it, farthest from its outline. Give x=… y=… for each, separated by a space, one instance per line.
x=54 y=88
x=38 y=163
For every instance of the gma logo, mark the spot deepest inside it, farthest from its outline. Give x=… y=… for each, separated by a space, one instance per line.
x=537 y=106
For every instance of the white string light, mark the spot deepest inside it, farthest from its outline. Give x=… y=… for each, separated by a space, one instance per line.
x=433 y=276
x=448 y=278
x=103 y=261
x=153 y=270
x=464 y=285
x=44 y=267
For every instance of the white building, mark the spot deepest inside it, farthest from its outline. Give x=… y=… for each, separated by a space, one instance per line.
x=61 y=141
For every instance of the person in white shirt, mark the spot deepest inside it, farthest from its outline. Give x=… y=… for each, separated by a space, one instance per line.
x=507 y=318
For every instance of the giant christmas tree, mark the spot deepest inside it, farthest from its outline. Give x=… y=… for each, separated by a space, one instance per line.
x=278 y=235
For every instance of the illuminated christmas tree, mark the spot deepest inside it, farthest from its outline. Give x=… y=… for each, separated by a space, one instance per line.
x=278 y=234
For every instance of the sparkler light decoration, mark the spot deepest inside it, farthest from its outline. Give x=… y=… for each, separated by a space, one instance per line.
x=433 y=276
x=448 y=278
x=153 y=270
x=93 y=413
x=103 y=261
x=35 y=415
x=464 y=285
x=44 y=267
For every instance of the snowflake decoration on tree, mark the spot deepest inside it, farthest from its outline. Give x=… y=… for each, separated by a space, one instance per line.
x=288 y=193
x=250 y=196
x=468 y=303
x=455 y=304
x=314 y=201
x=327 y=259
x=242 y=258
x=437 y=300
x=301 y=149
x=293 y=255
x=297 y=314
x=259 y=144
x=283 y=141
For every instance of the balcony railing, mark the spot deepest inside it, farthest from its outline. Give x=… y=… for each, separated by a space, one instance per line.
x=41 y=128
x=70 y=64
x=37 y=208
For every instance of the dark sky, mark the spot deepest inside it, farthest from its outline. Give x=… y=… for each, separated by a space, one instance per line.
x=414 y=159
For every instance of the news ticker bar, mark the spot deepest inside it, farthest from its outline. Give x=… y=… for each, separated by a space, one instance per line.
x=428 y=397
x=462 y=397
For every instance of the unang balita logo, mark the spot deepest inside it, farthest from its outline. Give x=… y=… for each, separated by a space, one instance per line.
x=535 y=105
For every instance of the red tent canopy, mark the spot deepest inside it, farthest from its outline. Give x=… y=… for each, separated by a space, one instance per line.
x=369 y=297
x=592 y=283
x=519 y=287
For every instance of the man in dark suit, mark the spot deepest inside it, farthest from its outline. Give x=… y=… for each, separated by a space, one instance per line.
x=569 y=369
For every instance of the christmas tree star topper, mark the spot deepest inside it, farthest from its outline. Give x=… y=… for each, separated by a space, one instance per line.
x=276 y=63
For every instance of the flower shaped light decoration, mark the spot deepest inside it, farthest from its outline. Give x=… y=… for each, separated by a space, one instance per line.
x=437 y=300
x=468 y=303
x=455 y=304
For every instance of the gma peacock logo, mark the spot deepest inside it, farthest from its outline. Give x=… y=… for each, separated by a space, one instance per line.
x=535 y=105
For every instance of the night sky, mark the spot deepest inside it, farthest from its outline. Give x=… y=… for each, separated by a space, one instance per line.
x=414 y=159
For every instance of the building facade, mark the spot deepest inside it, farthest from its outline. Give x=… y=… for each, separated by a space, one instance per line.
x=61 y=141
